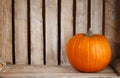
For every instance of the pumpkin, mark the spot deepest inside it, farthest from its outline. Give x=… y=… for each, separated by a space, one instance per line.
x=88 y=52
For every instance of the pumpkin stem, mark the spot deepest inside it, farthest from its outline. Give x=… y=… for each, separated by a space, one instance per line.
x=89 y=33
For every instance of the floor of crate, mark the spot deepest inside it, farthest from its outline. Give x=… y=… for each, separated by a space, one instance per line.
x=32 y=71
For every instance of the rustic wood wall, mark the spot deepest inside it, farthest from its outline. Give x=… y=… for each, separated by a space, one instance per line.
x=112 y=25
x=36 y=31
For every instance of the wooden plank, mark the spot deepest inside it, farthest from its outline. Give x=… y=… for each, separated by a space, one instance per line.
x=112 y=26
x=21 y=32
x=81 y=16
x=96 y=16
x=51 y=71
x=51 y=32
x=66 y=27
x=6 y=30
x=116 y=66
x=2 y=63
x=44 y=75
x=47 y=69
x=36 y=32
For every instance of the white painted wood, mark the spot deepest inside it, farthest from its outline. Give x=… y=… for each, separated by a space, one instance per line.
x=51 y=32
x=6 y=30
x=66 y=27
x=81 y=16
x=96 y=16
x=36 y=32
x=21 y=49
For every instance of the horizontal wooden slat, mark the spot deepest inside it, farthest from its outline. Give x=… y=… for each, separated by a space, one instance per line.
x=47 y=69
x=38 y=75
x=51 y=71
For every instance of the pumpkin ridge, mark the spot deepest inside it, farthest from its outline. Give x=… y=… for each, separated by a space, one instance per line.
x=73 y=47
x=76 y=45
x=101 y=40
x=104 y=58
x=88 y=54
x=87 y=46
x=108 y=48
x=85 y=43
x=68 y=47
x=95 y=54
x=84 y=39
x=80 y=46
x=81 y=53
x=99 y=52
x=90 y=64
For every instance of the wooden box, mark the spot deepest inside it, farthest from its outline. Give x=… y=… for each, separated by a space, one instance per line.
x=34 y=33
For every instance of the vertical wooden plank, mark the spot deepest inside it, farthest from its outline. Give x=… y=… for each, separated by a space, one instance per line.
x=112 y=26
x=21 y=50
x=81 y=16
x=36 y=32
x=66 y=27
x=51 y=32
x=96 y=16
x=6 y=30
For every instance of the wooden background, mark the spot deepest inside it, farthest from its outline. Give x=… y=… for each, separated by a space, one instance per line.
x=36 y=31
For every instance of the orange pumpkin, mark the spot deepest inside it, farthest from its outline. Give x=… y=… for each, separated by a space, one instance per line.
x=88 y=52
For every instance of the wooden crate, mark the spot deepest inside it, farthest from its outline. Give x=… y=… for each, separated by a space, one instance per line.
x=34 y=33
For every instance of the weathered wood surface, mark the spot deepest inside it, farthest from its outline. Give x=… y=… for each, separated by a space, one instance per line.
x=116 y=66
x=21 y=49
x=66 y=27
x=51 y=32
x=6 y=30
x=50 y=71
x=96 y=16
x=112 y=26
x=81 y=16
x=2 y=63
x=36 y=32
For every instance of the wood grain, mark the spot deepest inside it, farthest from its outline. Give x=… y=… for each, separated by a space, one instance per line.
x=21 y=50
x=47 y=69
x=112 y=26
x=6 y=30
x=36 y=32
x=51 y=32
x=51 y=71
x=66 y=27
x=96 y=16
x=116 y=66
x=2 y=63
x=81 y=16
